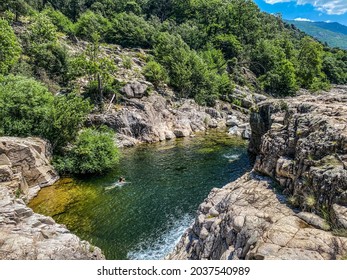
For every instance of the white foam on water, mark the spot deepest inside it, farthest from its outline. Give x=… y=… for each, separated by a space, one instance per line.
x=158 y=249
x=232 y=157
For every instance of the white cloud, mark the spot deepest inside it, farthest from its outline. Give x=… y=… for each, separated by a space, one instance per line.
x=303 y=19
x=331 y=7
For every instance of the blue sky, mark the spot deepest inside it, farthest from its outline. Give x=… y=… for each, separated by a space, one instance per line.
x=314 y=10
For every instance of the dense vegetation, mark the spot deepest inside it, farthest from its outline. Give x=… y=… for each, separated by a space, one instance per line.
x=201 y=48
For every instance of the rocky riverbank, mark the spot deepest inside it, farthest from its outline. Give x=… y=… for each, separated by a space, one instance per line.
x=288 y=206
x=24 y=170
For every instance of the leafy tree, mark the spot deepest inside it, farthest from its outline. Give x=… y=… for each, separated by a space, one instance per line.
x=27 y=108
x=67 y=114
x=281 y=80
x=93 y=151
x=229 y=44
x=155 y=73
x=47 y=55
x=24 y=107
x=265 y=56
x=130 y=30
x=9 y=47
x=91 y=23
x=97 y=67
x=17 y=7
x=63 y=23
x=310 y=62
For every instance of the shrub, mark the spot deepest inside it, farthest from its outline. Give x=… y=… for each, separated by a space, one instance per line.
x=24 y=107
x=130 y=30
x=27 y=108
x=63 y=23
x=155 y=73
x=9 y=47
x=91 y=23
x=94 y=151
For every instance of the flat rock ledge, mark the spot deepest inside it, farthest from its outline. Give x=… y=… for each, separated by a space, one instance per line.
x=25 y=235
x=247 y=220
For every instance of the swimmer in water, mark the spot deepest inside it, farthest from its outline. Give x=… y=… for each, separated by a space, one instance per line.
x=121 y=180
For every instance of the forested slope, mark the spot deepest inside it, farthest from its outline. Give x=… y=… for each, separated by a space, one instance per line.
x=200 y=48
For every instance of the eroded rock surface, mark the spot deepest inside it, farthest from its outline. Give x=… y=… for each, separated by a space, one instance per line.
x=248 y=220
x=301 y=147
x=24 y=169
x=156 y=118
x=302 y=144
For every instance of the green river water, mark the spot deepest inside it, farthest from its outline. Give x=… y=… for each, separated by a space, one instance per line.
x=144 y=218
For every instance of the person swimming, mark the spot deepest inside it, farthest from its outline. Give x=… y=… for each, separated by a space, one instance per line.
x=121 y=179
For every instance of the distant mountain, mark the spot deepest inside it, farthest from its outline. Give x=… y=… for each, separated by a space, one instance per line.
x=333 y=33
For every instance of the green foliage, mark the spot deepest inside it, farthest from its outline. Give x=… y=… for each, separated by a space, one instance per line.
x=98 y=68
x=93 y=151
x=229 y=44
x=27 y=108
x=130 y=30
x=155 y=73
x=46 y=55
x=16 y=7
x=281 y=80
x=310 y=63
x=189 y=73
x=9 y=47
x=67 y=114
x=91 y=24
x=24 y=107
x=63 y=23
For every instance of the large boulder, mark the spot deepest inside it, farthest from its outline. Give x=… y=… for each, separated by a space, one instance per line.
x=24 y=235
x=135 y=90
x=29 y=158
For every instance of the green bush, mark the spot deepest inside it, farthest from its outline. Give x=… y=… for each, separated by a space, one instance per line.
x=130 y=30
x=9 y=47
x=27 y=108
x=93 y=152
x=63 y=23
x=91 y=23
x=155 y=73
x=229 y=45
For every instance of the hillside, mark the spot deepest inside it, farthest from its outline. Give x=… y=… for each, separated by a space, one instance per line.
x=76 y=60
x=334 y=34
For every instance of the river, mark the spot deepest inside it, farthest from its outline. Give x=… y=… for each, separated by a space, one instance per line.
x=165 y=183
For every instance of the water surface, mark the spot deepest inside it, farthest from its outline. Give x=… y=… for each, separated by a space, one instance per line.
x=144 y=218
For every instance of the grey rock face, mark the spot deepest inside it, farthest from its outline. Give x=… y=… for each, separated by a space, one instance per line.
x=254 y=223
x=301 y=148
x=156 y=118
x=24 y=235
x=301 y=143
x=135 y=90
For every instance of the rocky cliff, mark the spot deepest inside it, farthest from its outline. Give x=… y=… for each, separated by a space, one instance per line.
x=293 y=204
x=148 y=113
x=24 y=169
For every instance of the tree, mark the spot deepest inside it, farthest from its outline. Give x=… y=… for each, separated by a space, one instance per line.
x=155 y=73
x=9 y=47
x=98 y=68
x=17 y=7
x=47 y=56
x=90 y=23
x=130 y=30
x=93 y=151
x=310 y=62
x=281 y=80
x=229 y=45
x=27 y=108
